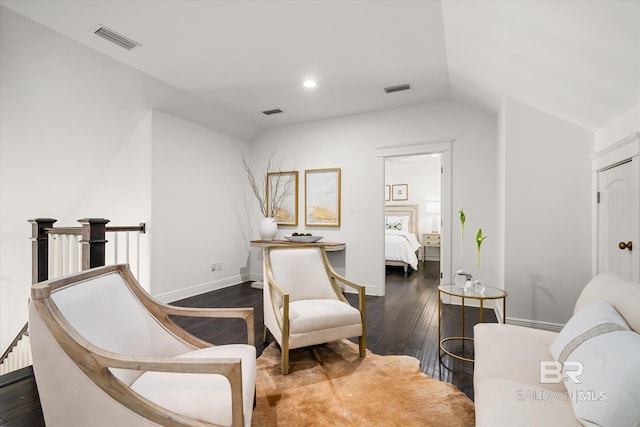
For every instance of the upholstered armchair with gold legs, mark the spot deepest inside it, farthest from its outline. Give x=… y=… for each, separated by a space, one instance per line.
x=303 y=304
x=107 y=354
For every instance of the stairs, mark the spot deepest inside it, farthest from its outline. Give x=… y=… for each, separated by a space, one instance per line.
x=18 y=355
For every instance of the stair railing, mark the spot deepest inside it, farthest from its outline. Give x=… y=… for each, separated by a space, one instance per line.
x=58 y=251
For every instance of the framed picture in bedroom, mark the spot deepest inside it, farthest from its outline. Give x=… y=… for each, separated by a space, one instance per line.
x=400 y=192
x=322 y=197
x=282 y=192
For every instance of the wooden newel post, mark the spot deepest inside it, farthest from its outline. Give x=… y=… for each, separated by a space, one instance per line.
x=40 y=248
x=93 y=242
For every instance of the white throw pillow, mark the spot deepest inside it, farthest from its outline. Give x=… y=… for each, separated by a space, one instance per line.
x=595 y=318
x=602 y=357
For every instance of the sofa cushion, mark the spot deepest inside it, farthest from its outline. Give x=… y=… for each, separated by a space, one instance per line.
x=501 y=402
x=318 y=314
x=623 y=294
x=205 y=397
x=601 y=366
x=513 y=353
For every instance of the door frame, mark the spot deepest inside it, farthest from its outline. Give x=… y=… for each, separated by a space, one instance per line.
x=623 y=150
x=445 y=148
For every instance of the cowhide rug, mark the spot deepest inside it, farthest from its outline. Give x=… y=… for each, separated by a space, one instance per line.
x=330 y=385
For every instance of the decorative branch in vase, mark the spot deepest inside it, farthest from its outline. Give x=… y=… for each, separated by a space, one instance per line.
x=269 y=201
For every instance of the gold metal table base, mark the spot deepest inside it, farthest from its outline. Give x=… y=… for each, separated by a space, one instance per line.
x=462 y=293
x=451 y=353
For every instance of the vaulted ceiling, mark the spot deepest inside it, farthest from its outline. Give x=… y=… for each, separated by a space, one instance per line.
x=578 y=60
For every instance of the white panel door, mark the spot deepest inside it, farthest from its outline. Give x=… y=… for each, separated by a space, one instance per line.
x=618 y=220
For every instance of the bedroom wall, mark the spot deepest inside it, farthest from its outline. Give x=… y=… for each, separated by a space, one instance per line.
x=351 y=142
x=547 y=214
x=422 y=176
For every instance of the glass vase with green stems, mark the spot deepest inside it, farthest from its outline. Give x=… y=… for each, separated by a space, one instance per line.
x=479 y=239
x=462 y=220
x=478 y=285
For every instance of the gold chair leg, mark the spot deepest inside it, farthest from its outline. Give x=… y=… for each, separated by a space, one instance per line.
x=264 y=335
x=362 y=341
x=285 y=358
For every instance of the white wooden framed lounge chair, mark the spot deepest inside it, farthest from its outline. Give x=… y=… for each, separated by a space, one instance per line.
x=105 y=353
x=303 y=304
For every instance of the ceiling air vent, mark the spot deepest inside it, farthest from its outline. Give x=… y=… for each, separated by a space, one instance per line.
x=397 y=88
x=270 y=112
x=116 y=38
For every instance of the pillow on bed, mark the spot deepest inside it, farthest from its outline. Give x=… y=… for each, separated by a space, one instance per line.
x=400 y=223
x=394 y=226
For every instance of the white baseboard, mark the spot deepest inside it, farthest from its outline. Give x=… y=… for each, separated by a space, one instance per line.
x=200 y=289
x=536 y=324
x=255 y=277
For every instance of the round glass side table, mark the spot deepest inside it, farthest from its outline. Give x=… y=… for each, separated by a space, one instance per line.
x=480 y=293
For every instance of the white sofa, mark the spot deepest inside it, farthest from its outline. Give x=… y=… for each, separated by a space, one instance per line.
x=516 y=379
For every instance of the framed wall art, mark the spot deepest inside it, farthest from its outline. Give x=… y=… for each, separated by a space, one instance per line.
x=282 y=197
x=322 y=197
x=400 y=192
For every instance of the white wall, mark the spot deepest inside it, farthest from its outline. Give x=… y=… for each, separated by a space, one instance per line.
x=547 y=213
x=70 y=118
x=199 y=209
x=618 y=129
x=351 y=142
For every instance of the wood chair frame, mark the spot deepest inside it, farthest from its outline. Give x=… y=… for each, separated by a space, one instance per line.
x=283 y=319
x=95 y=362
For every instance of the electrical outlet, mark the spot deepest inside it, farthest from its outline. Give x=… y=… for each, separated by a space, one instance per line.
x=216 y=266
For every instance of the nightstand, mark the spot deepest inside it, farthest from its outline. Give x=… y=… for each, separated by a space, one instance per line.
x=431 y=249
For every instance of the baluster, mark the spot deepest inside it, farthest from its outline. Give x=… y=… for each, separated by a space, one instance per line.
x=58 y=256
x=138 y=275
x=74 y=253
x=52 y=255
x=116 y=247
x=64 y=243
x=126 y=248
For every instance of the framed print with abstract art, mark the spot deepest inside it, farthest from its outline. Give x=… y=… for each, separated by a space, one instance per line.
x=282 y=197
x=322 y=197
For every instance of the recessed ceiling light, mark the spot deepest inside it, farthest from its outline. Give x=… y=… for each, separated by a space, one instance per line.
x=309 y=83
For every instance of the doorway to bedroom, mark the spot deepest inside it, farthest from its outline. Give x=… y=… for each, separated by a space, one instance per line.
x=413 y=213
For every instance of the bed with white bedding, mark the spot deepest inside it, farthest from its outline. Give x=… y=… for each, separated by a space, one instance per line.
x=401 y=236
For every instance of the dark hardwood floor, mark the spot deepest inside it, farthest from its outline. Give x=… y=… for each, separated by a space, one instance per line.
x=405 y=321
x=19 y=402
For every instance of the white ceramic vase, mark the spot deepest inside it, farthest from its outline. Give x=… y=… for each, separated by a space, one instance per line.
x=268 y=228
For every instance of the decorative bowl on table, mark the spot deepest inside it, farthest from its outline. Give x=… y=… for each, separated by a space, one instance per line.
x=303 y=239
